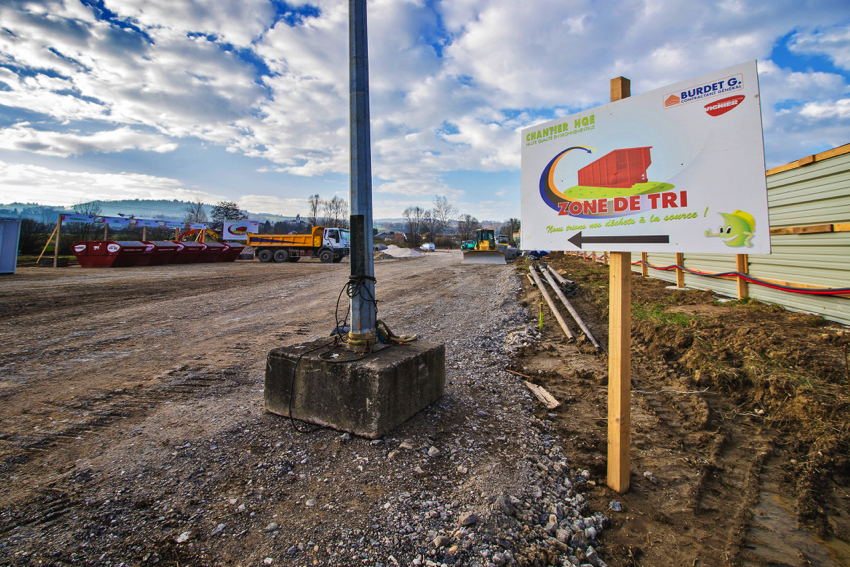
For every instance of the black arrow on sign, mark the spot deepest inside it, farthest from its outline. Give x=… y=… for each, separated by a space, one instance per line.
x=578 y=240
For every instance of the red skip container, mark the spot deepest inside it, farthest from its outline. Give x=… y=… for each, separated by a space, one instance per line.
x=231 y=252
x=157 y=252
x=108 y=253
x=214 y=251
x=187 y=252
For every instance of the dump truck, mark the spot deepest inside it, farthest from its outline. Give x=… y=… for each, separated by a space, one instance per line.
x=326 y=244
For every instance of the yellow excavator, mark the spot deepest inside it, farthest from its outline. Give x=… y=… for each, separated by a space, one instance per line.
x=484 y=249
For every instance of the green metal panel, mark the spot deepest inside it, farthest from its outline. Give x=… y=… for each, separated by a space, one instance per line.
x=811 y=195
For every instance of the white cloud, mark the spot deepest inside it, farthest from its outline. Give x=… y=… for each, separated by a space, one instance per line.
x=452 y=82
x=63 y=144
x=272 y=205
x=58 y=187
x=832 y=42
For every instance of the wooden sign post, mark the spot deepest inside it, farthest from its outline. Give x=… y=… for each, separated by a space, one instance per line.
x=575 y=196
x=619 y=350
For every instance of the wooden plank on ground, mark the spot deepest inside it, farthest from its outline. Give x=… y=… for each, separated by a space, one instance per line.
x=545 y=397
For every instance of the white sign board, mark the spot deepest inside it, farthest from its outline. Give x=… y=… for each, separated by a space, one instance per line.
x=677 y=169
x=238 y=230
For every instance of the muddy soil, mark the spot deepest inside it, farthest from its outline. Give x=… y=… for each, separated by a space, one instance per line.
x=740 y=424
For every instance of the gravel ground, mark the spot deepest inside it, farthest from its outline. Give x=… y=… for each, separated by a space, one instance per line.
x=176 y=462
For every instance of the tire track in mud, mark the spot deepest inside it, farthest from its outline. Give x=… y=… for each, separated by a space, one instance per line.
x=704 y=457
x=100 y=410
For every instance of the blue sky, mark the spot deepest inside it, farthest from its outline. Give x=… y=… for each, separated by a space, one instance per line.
x=247 y=100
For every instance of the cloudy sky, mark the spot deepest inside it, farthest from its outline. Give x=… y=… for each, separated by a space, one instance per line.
x=248 y=99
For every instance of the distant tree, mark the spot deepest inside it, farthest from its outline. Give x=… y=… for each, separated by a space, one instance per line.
x=431 y=223
x=279 y=228
x=267 y=227
x=195 y=212
x=314 y=204
x=225 y=211
x=444 y=213
x=466 y=226
x=335 y=211
x=511 y=225
x=413 y=217
x=33 y=236
x=85 y=230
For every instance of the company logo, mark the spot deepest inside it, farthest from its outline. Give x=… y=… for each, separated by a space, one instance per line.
x=79 y=247
x=707 y=90
x=723 y=106
x=113 y=247
x=672 y=100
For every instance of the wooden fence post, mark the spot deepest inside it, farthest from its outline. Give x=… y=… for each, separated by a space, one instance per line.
x=56 y=245
x=144 y=232
x=680 y=274
x=644 y=270
x=619 y=350
x=742 y=265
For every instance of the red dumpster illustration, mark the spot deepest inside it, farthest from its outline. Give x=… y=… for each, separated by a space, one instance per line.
x=619 y=168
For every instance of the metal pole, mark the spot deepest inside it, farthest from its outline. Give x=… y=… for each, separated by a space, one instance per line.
x=362 y=332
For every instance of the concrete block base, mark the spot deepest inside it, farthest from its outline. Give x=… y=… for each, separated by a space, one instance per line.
x=368 y=397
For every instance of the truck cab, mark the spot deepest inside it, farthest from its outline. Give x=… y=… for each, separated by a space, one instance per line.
x=338 y=240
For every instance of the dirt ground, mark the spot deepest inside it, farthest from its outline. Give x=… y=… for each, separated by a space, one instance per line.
x=132 y=430
x=740 y=424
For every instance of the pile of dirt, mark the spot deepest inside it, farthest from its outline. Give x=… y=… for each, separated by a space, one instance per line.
x=734 y=403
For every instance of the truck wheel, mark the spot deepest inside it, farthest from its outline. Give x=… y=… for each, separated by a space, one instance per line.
x=281 y=256
x=337 y=259
x=326 y=256
x=294 y=258
x=264 y=255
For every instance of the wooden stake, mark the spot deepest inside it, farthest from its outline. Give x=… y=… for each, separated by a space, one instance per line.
x=619 y=371
x=569 y=307
x=551 y=303
x=56 y=245
x=47 y=243
x=144 y=233
x=176 y=234
x=105 y=228
x=680 y=274
x=644 y=270
x=619 y=350
x=742 y=265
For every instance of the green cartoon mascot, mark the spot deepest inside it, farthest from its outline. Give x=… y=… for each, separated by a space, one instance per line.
x=739 y=229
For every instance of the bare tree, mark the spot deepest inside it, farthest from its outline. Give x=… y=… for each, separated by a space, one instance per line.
x=444 y=213
x=510 y=227
x=85 y=230
x=430 y=221
x=335 y=212
x=413 y=216
x=195 y=212
x=33 y=236
x=314 y=203
x=466 y=226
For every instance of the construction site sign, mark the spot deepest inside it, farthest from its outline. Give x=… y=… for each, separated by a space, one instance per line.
x=676 y=169
x=238 y=230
